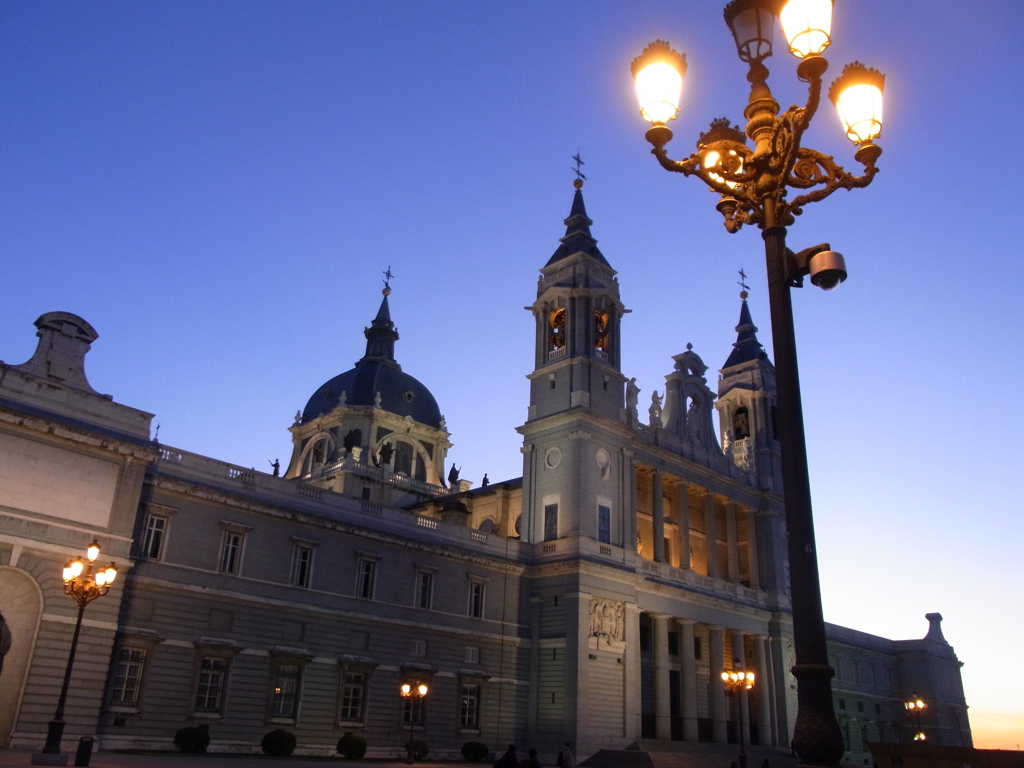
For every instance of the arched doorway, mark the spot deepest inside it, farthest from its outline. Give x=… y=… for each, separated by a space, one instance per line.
x=21 y=603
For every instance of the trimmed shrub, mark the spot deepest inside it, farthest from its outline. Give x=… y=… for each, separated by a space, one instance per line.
x=474 y=751
x=192 y=739
x=278 y=743
x=352 y=746
x=418 y=747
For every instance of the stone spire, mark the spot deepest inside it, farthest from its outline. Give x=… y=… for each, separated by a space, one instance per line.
x=577 y=232
x=746 y=347
x=381 y=335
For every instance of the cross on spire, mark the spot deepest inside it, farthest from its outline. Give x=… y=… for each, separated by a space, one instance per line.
x=388 y=277
x=742 y=282
x=576 y=170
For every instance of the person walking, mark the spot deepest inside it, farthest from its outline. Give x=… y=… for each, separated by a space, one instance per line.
x=565 y=757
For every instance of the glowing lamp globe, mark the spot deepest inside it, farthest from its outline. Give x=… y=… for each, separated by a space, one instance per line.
x=658 y=75
x=857 y=95
x=807 y=25
x=93 y=551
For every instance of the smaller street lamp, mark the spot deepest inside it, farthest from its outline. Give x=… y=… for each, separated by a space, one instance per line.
x=83 y=582
x=412 y=693
x=916 y=706
x=737 y=683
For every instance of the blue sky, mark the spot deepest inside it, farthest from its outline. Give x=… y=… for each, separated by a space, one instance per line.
x=218 y=186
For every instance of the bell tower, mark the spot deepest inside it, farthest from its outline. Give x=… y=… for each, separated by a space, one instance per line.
x=577 y=315
x=747 y=406
x=576 y=480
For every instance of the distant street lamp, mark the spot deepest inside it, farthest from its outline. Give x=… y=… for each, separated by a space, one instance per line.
x=412 y=693
x=84 y=584
x=737 y=684
x=916 y=706
x=752 y=184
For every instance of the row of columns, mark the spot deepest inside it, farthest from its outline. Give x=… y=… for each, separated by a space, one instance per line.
x=710 y=530
x=717 y=696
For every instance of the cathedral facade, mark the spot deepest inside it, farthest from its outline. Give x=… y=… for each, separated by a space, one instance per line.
x=597 y=599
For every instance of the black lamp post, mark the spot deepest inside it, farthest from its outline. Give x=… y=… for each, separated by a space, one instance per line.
x=916 y=706
x=412 y=693
x=83 y=584
x=753 y=185
x=737 y=684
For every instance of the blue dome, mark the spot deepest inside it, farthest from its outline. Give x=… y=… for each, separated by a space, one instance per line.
x=400 y=393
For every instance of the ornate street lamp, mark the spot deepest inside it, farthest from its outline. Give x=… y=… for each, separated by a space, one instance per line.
x=916 y=706
x=84 y=583
x=737 y=684
x=753 y=183
x=412 y=693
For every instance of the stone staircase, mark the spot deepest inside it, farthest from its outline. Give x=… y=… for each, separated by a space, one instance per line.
x=654 y=753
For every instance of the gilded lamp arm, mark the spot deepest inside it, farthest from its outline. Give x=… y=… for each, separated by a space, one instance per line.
x=816 y=169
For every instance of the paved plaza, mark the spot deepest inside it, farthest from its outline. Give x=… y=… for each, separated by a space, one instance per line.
x=174 y=760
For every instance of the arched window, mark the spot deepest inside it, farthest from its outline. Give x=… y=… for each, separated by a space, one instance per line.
x=601 y=330
x=403 y=458
x=741 y=423
x=556 y=328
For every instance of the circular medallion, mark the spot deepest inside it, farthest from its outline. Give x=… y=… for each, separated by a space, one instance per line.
x=553 y=457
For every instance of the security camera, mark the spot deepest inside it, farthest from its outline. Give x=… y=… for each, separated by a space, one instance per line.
x=827 y=269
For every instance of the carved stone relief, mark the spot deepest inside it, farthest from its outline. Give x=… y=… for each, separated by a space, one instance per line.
x=607 y=619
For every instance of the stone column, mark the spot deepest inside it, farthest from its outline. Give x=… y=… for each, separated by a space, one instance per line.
x=762 y=689
x=535 y=619
x=684 y=525
x=628 y=501
x=632 y=706
x=733 y=542
x=739 y=664
x=688 y=662
x=662 y=690
x=719 y=730
x=752 y=565
x=711 y=532
x=658 y=513
x=578 y=701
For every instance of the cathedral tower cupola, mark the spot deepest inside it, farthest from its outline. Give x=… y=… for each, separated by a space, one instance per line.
x=747 y=404
x=371 y=422
x=577 y=314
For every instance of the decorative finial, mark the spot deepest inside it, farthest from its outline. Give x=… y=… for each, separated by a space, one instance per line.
x=387 y=278
x=580 y=178
x=742 y=283
x=689 y=346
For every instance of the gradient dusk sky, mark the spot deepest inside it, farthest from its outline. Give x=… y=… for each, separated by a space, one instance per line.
x=217 y=187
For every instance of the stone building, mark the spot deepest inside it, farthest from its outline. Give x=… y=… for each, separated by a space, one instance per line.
x=596 y=599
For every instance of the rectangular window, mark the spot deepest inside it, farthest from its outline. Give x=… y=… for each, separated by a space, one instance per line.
x=424 y=589
x=472 y=655
x=673 y=643
x=604 y=524
x=286 y=691
x=128 y=677
x=550 y=522
x=696 y=648
x=418 y=648
x=153 y=536
x=367 y=576
x=213 y=674
x=353 y=695
x=469 y=711
x=302 y=566
x=476 y=599
x=231 y=552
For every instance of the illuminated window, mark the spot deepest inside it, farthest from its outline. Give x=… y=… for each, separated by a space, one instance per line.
x=469 y=710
